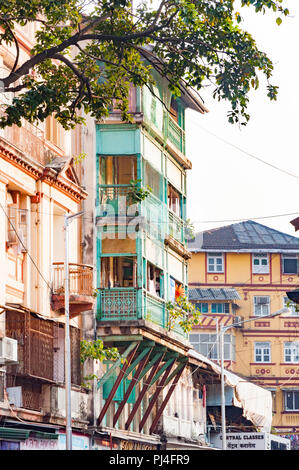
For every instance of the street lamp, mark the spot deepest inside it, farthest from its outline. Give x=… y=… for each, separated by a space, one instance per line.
x=67 y=349
x=223 y=329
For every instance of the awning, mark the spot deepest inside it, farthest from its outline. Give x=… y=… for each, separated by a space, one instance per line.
x=200 y=295
x=23 y=434
x=15 y=434
x=255 y=401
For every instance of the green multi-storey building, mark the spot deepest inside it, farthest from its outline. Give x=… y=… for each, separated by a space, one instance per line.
x=138 y=237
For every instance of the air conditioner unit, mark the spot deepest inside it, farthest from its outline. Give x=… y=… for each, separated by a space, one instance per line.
x=8 y=351
x=238 y=322
x=15 y=396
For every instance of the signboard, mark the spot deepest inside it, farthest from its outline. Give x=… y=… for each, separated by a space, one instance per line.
x=251 y=441
x=241 y=441
x=79 y=442
x=33 y=443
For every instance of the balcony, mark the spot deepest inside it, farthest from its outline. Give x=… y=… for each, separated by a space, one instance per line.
x=123 y=304
x=175 y=134
x=80 y=288
x=28 y=139
x=113 y=200
x=176 y=227
x=54 y=404
x=118 y=304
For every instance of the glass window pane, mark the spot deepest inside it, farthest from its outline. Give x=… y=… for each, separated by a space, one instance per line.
x=204 y=338
x=289 y=401
x=227 y=351
x=194 y=338
x=290 y=266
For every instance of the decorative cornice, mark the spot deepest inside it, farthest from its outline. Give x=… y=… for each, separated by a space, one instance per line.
x=18 y=159
x=37 y=171
x=62 y=184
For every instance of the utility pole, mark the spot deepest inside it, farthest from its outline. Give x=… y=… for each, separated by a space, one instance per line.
x=223 y=329
x=67 y=348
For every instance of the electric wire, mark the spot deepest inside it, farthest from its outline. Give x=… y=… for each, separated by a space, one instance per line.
x=251 y=155
x=159 y=222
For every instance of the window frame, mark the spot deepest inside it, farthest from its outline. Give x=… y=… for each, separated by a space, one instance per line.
x=258 y=345
x=260 y=268
x=255 y=304
x=290 y=256
x=214 y=256
x=229 y=345
x=293 y=392
x=293 y=346
x=224 y=305
x=291 y=307
x=198 y=305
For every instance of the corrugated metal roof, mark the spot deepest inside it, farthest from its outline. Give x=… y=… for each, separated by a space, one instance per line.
x=247 y=235
x=199 y=294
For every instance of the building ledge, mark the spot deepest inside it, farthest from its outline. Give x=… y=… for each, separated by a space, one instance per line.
x=177 y=247
x=145 y=329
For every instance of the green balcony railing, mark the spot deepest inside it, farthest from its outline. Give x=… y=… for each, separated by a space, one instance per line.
x=176 y=227
x=119 y=304
x=155 y=310
x=157 y=219
x=154 y=212
x=114 y=201
x=175 y=133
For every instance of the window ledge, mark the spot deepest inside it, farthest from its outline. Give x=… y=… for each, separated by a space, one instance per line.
x=261 y=274
x=262 y=364
x=288 y=363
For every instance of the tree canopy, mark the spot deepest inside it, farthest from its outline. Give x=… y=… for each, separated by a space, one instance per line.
x=87 y=52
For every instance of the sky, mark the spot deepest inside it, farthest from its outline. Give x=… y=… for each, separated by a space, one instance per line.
x=225 y=185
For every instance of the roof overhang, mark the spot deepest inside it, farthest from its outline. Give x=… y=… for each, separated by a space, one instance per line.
x=255 y=401
x=245 y=250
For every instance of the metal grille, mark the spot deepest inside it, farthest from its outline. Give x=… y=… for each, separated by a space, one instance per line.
x=31 y=391
x=75 y=356
x=41 y=347
x=2 y=385
x=35 y=344
x=118 y=304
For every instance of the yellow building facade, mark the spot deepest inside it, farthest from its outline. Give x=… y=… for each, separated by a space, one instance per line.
x=242 y=273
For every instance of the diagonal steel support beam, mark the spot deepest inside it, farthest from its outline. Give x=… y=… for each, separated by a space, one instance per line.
x=179 y=370
x=154 y=364
x=182 y=363
x=156 y=394
x=116 y=384
x=132 y=384
x=146 y=345
x=116 y=364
